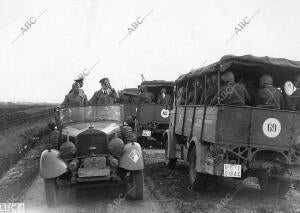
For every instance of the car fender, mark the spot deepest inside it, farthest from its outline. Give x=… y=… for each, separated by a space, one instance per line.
x=201 y=154
x=132 y=157
x=171 y=152
x=51 y=166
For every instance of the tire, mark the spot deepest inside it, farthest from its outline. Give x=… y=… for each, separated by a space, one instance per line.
x=197 y=180
x=268 y=185
x=54 y=139
x=135 y=185
x=51 y=192
x=284 y=187
x=129 y=136
x=169 y=162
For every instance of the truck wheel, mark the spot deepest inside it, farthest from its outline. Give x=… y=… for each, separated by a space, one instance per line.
x=268 y=185
x=284 y=187
x=129 y=136
x=54 y=139
x=170 y=162
x=197 y=180
x=51 y=192
x=135 y=185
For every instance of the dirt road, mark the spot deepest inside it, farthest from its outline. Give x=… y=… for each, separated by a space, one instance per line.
x=167 y=191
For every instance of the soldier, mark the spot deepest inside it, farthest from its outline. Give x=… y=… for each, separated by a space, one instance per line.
x=181 y=96
x=268 y=95
x=192 y=99
x=75 y=98
x=145 y=96
x=164 y=98
x=80 y=81
x=294 y=99
x=212 y=90
x=231 y=93
x=106 y=95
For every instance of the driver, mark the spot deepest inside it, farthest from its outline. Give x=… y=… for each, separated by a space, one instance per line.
x=164 y=98
x=106 y=95
x=75 y=97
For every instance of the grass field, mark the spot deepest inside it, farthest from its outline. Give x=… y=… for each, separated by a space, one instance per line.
x=21 y=127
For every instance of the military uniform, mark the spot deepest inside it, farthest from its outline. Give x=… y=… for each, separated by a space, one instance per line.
x=270 y=97
x=104 y=97
x=232 y=94
x=73 y=99
x=210 y=93
x=166 y=100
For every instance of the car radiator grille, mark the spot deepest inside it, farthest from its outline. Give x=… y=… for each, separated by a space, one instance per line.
x=91 y=138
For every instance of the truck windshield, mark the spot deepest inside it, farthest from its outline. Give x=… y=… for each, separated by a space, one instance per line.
x=90 y=114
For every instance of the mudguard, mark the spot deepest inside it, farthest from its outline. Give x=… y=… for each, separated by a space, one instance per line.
x=51 y=166
x=171 y=153
x=202 y=163
x=132 y=157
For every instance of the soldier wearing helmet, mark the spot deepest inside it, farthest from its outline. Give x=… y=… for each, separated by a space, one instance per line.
x=145 y=96
x=75 y=97
x=106 y=95
x=269 y=96
x=294 y=99
x=230 y=92
x=212 y=84
x=164 y=98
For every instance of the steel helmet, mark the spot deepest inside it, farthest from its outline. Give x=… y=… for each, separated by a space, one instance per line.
x=228 y=77
x=266 y=80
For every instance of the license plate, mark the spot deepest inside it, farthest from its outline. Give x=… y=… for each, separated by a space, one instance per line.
x=146 y=133
x=83 y=172
x=232 y=170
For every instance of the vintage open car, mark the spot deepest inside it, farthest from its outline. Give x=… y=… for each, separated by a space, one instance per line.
x=238 y=141
x=152 y=119
x=93 y=147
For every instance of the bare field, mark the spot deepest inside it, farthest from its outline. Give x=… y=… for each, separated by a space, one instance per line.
x=20 y=127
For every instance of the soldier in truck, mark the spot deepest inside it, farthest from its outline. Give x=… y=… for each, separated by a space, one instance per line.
x=268 y=95
x=294 y=99
x=231 y=93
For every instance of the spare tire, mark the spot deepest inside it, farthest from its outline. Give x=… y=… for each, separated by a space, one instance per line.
x=129 y=136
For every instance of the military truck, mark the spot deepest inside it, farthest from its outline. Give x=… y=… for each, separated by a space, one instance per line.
x=129 y=98
x=152 y=119
x=237 y=141
x=93 y=147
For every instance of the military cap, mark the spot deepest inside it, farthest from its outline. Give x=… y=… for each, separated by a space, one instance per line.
x=79 y=80
x=104 y=80
x=228 y=77
x=163 y=90
x=266 y=79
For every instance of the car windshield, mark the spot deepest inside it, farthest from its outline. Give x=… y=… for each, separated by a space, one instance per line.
x=90 y=114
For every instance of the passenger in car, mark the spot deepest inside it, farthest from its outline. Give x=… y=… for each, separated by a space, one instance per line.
x=212 y=89
x=231 y=93
x=106 y=95
x=294 y=99
x=75 y=98
x=269 y=96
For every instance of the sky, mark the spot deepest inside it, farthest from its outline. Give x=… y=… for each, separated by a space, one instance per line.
x=39 y=63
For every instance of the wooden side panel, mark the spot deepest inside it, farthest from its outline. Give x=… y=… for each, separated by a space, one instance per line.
x=272 y=128
x=234 y=125
x=210 y=124
x=188 y=121
x=179 y=120
x=198 y=122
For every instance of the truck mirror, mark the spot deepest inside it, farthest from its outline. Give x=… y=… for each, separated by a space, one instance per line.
x=289 y=88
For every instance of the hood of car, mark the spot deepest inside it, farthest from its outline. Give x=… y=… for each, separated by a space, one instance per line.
x=103 y=126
